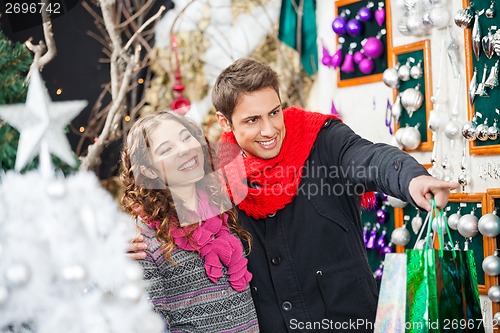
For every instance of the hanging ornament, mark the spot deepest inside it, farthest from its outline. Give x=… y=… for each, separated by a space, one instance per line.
x=412 y=99
x=464 y=178
x=490 y=12
x=496 y=317
x=370 y=243
x=180 y=104
x=399 y=134
x=494 y=294
x=326 y=58
x=400 y=236
x=473 y=87
x=388 y=116
x=348 y=64
x=416 y=71
x=381 y=241
x=379 y=272
x=396 y=108
x=416 y=223
x=452 y=130
x=482 y=131
x=373 y=47
x=403 y=26
x=354 y=27
x=439 y=17
x=469 y=131
x=366 y=66
x=496 y=42
x=453 y=54
x=386 y=249
x=492 y=80
x=358 y=56
x=467 y=225
x=481 y=88
x=415 y=25
x=489 y=225
x=464 y=18
x=365 y=13
x=382 y=215
x=437 y=120
x=340 y=22
x=390 y=78
x=493 y=131
x=411 y=138
x=453 y=220
x=487 y=43
x=337 y=58
x=380 y=14
x=439 y=222
x=476 y=37
x=447 y=170
x=404 y=71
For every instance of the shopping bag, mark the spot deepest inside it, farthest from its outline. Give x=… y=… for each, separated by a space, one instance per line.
x=392 y=296
x=442 y=294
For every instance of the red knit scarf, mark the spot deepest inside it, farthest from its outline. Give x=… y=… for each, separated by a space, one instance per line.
x=276 y=180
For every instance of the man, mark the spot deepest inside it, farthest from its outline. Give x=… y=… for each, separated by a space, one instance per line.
x=305 y=173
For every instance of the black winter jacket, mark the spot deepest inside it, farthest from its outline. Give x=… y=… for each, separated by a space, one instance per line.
x=309 y=263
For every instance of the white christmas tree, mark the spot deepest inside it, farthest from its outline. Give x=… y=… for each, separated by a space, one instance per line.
x=63 y=263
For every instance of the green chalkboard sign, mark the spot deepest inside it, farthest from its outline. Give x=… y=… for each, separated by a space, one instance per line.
x=370 y=28
x=416 y=52
x=487 y=105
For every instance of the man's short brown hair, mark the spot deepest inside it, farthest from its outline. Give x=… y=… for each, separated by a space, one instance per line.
x=242 y=77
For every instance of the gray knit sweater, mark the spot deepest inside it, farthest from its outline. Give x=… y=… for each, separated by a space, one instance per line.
x=187 y=300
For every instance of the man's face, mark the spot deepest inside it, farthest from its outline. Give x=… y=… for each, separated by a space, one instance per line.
x=257 y=123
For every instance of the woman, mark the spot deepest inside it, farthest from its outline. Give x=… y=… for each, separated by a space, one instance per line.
x=195 y=266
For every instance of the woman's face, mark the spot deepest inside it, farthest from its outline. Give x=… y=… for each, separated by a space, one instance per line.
x=176 y=154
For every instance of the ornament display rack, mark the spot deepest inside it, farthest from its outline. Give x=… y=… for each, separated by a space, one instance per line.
x=492 y=201
x=356 y=78
x=485 y=105
x=481 y=245
x=419 y=51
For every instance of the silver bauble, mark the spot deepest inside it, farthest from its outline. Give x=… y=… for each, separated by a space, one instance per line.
x=493 y=132
x=437 y=120
x=394 y=142
x=399 y=134
x=414 y=25
x=452 y=130
x=467 y=225
x=396 y=108
x=438 y=222
x=130 y=292
x=464 y=179
x=496 y=42
x=482 y=132
x=464 y=18
x=426 y=20
x=400 y=236
x=496 y=318
x=18 y=274
x=403 y=26
x=453 y=220
x=491 y=265
x=412 y=99
x=390 y=78
x=439 y=17
x=416 y=71
x=74 y=273
x=494 y=294
x=411 y=138
x=416 y=224
x=404 y=72
x=489 y=225
x=395 y=202
x=469 y=131
x=4 y=295
x=436 y=172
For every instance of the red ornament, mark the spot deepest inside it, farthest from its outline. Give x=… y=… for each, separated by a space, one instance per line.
x=180 y=104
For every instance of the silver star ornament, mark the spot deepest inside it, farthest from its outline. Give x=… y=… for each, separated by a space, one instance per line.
x=41 y=123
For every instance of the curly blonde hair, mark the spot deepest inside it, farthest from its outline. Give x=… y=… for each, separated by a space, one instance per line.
x=151 y=199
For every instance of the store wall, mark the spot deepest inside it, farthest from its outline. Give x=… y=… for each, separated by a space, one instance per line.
x=363 y=107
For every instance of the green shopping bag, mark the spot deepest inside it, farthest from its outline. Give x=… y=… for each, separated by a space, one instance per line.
x=442 y=293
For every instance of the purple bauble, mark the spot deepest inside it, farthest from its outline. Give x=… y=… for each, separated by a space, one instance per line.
x=373 y=47
x=386 y=249
x=381 y=240
x=364 y=14
x=326 y=59
x=348 y=65
x=354 y=27
x=337 y=58
x=381 y=216
x=378 y=273
x=339 y=25
x=358 y=57
x=380 y=16
x=365 y=233
x=370 y=243
x=366 y=66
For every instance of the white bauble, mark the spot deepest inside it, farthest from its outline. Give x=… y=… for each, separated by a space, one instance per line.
x=467 y=225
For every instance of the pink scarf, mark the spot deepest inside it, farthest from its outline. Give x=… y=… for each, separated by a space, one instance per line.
x=213 y=240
